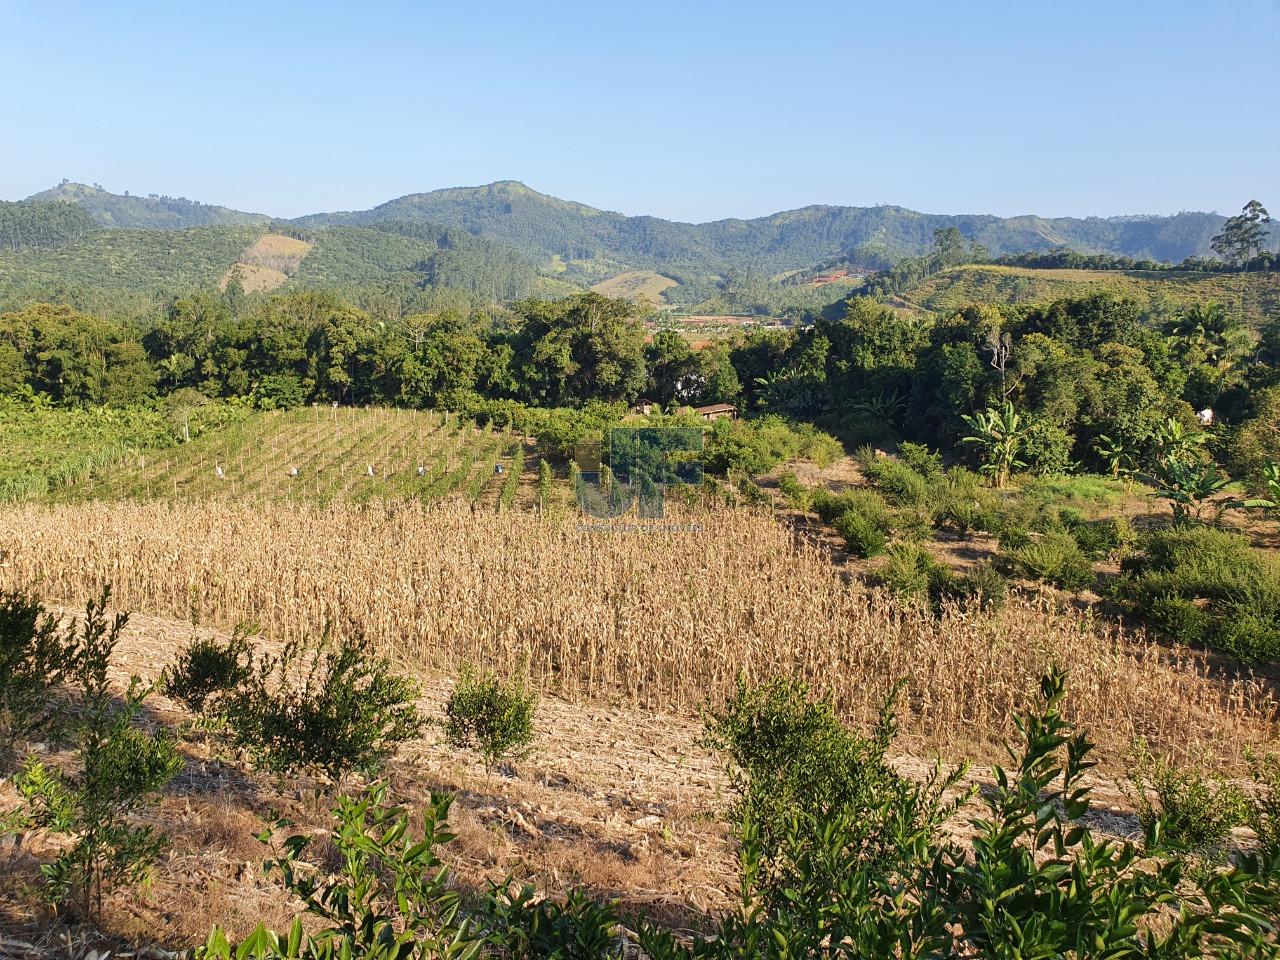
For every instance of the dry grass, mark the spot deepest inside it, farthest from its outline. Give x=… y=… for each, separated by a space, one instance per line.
x=268 y=263
x=254 y=278
x=660 y=619
x=636 y=285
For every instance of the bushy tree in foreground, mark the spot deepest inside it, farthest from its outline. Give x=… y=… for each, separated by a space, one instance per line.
x=331 y=707
x=119 y=768
x=492 y=717
x=37 y=656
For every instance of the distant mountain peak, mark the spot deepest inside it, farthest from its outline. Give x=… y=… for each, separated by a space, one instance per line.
x=152 y=212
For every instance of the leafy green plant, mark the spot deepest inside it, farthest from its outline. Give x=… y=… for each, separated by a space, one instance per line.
x=1101 y=538
x=998 y=433
x=1040 y=884
x=37 y=655
x=913 y=572
x=1193 y=810
x=1262 y=813
x=120 y=768
x=1205 y=587
x=1120 y=458
x=1046 y=449
x=390 y=899
x=1055 y=558
x=1188 y=485
x=207 y=671
x=519 y=923
x=862 y=536
x=490 y=716
x=983 y=584
x=332 y=707
x=797 y=494
x=794 y=766
x=900 y=484
x=927 y=463
x=1270 y=477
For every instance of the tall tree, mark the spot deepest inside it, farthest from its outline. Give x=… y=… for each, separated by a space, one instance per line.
x=1244 y=235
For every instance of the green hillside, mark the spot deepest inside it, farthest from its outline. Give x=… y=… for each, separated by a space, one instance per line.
x=126 y=261
x=42 y=224
x=131 y=269
x=502 y=241
x=1253 y=295
x=147 y=213
x=545 y=226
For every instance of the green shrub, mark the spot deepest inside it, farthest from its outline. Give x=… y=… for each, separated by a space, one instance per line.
x=1055 y=558
x=207 y=671
x=1193 y=810
x=752 y=493
x=793 y=764
x=37 y=655
x=910 y=570
x=983 y=584
x=921 y=459
x=1099 y=539
x=1208 y=587
x=1180 y=619
x=1046 y=449
x=1248 y=636
x=1262 y=813
x=120 y=767
x=961 y=503
x=757 y=446
x=491 y=717
x=1016 y=522
x=323 y=706
x=862 y=537
x=797 y=494
x=830 y=507
x=900 y=485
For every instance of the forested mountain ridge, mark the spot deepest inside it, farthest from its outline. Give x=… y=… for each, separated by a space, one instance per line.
x=151 y=212
x=603 y=242
x=539 y=224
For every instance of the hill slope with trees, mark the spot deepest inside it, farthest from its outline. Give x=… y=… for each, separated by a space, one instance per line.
x=152 y=212
x=539 y=224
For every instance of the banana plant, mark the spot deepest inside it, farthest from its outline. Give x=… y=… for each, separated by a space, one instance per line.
x=1189 y=486
x=998 y=432
x=1119 y=458
x=1176 y=442
x=1270 y=501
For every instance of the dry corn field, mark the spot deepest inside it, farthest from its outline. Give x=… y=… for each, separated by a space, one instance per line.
x=663 y=618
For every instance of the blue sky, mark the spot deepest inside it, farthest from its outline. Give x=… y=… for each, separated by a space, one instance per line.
x=688 y=110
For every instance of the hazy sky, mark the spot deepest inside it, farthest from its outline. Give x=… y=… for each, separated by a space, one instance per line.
x=686 y=110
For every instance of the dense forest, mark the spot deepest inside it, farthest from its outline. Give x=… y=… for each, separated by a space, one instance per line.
x=42 y=225
x=1086 y=374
